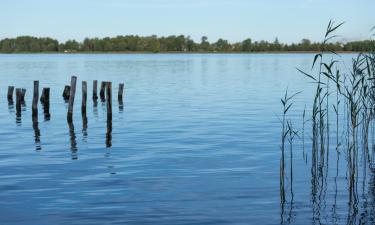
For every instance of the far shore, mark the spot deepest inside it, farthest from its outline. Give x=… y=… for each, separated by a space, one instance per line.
x=187 y=53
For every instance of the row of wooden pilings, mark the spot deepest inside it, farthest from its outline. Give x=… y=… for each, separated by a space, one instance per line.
x=68 y=95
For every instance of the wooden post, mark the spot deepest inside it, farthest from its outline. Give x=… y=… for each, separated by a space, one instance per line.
x=102 y=90
x=95 y=90
x=66 y=92
x=84 y=97
x=18 y=101
x=109 y=100
x=23 y=93
x=10 y=93
x=44 y=99
x=109 y=114
x=35 y=101
x=84 y=101
x=73 y=84
x=120 y=91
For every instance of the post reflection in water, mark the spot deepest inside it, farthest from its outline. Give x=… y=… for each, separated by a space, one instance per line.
x=120 y=105
x=11 y=106
x=73 y=142
x=108 y=136
x=20 y=107
x=47 y=115
x=95 y=107
x=84 y=126
x=36 y=129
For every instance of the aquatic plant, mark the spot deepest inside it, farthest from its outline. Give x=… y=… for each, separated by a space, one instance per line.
x=353 y=108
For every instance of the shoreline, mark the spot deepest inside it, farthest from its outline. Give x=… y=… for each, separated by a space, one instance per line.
x=167 y=53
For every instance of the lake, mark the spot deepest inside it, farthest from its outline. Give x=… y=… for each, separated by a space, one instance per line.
x=197 y=141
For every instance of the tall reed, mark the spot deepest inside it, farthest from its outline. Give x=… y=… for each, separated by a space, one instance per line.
x=353 y=108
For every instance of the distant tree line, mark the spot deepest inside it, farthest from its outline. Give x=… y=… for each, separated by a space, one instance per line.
x=155 y=44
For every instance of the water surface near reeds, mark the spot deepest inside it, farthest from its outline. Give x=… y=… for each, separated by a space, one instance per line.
x=196 y=141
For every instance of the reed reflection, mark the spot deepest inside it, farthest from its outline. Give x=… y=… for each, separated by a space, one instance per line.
x=358 y=184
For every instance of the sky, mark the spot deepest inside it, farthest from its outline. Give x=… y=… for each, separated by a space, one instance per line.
x=234 y=20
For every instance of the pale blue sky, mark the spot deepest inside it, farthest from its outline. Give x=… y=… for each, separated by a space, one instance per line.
x=235 y=20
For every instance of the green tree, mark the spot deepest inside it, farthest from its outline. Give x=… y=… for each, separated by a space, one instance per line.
x=205 y=45
x=247 y=45
x=71 y=45
x=222 y=45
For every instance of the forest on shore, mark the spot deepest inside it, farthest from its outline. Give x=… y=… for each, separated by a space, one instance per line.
x=181 y=43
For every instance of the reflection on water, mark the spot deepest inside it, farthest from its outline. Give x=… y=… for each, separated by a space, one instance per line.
x=329 y=194
x=11 y=107
x=73 y=142
x=121 y=105
x=95 y=107
x=108 y=136
x=196 y=143
x=84 y=126
x=38 y=146
x=47 y=115
x=20 y=107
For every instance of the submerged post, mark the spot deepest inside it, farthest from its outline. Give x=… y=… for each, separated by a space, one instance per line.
x=71 y=98
x=44 y=99
x=95 y=90
x=84 y=97
x=10 y=93
x=23 y=93
x=102 y=90
x=109 y=100
x=18 y=101
x=66 y=92
x=35 y=101
x=120 y=91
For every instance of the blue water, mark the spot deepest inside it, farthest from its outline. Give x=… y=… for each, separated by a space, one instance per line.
x=196 y=142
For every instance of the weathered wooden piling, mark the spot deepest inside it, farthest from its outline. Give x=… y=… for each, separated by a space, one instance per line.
x=109 y=100
x=66 y=92
x=18 y=101
x=84 y=102
x=120 y=91
x=95 y=90
x=102 y=90
x=84 y=98
x=35 y=101
x=23 y=93
x=44 y=99
x=10 y=93
x=73 y=84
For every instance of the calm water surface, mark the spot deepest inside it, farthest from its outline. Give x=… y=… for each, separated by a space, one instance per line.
x=197 y=141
